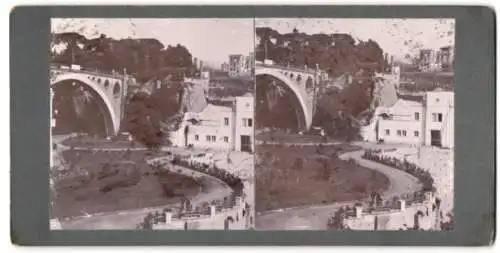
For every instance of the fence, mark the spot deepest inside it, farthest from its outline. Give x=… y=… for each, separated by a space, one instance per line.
x=234 y=204
x=398 y=203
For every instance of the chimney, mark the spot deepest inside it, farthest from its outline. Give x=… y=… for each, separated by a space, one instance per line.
x=359 y=211
x=402 y=205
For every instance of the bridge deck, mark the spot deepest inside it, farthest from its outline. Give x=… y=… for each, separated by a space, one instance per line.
x=308 y=71
x=89 y=72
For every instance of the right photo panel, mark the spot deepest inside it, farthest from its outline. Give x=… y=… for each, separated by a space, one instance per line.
x=354 y=124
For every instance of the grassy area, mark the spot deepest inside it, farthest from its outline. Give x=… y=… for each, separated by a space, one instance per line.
x=298 y=176
x=103 y=181
x=89 y=142
x=289 y=137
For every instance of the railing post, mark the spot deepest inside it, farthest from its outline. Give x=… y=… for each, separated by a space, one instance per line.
x=212 y=211
x=168 y=217
x=359 y=211
x=402 y=205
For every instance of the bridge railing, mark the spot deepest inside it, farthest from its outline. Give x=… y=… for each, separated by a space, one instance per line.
x=88 y=72
x=186 y=211
x=294 y=69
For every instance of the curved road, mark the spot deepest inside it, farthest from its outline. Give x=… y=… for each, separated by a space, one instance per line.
x=316 y=217
x=213 y=188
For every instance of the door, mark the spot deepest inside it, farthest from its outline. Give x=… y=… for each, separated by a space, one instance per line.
x=436 y=138
x=246 y=144
x=186 y=132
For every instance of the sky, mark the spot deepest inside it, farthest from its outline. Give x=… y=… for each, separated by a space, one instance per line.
x=211 y=40
x=397 y=37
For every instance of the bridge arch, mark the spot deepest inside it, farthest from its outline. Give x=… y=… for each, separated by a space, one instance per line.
x=300 y=93
x=110 y=121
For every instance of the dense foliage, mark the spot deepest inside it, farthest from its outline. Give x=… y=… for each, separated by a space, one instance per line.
x=335 y=53
x=141 y=57
x=143 y=121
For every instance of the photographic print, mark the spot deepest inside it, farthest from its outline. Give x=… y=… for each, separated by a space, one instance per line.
x=354 y=124
x=152 y=124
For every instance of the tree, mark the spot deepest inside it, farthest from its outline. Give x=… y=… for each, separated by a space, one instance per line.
x=324 y=171
x=140 y=57
x=142 y=120
x=178 y=56
x=298 y=164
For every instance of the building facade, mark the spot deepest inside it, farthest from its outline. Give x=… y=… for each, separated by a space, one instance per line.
x=429 y=123
x=225 y=67
x=439 y=121
x=250 y=63
x=219 y=127
x=437 y=60
x=236 y=64
x=402 y=123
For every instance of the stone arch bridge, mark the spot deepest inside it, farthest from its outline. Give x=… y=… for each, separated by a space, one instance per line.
x=111 y=90
x=304 y=85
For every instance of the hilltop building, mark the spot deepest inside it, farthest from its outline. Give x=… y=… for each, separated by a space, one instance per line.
x=437 y=60
x=225 y=67
x=236 y=64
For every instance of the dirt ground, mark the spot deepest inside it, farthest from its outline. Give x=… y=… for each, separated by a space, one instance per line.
x=104 y=181
x=299 y=176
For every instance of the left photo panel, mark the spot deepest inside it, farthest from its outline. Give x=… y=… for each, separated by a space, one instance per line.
x=152 y=124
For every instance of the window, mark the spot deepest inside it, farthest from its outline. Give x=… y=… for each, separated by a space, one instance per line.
x=226 y=139
x=387 y=132
x=440 y=117
x=213 y=138
x=404 y=132
x=417 y=116
x=399 y=132
x=434 y=117
x=208 y=137
x=226 y=121
x=247 y=122
x=415 y=133
x=196 y=137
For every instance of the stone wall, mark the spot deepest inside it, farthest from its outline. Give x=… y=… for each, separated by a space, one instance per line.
x=234 y=218
x=416 y=216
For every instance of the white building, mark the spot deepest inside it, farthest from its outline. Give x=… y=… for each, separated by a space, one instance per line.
x=430 y=123
x=439 y=121
x=218 y=127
